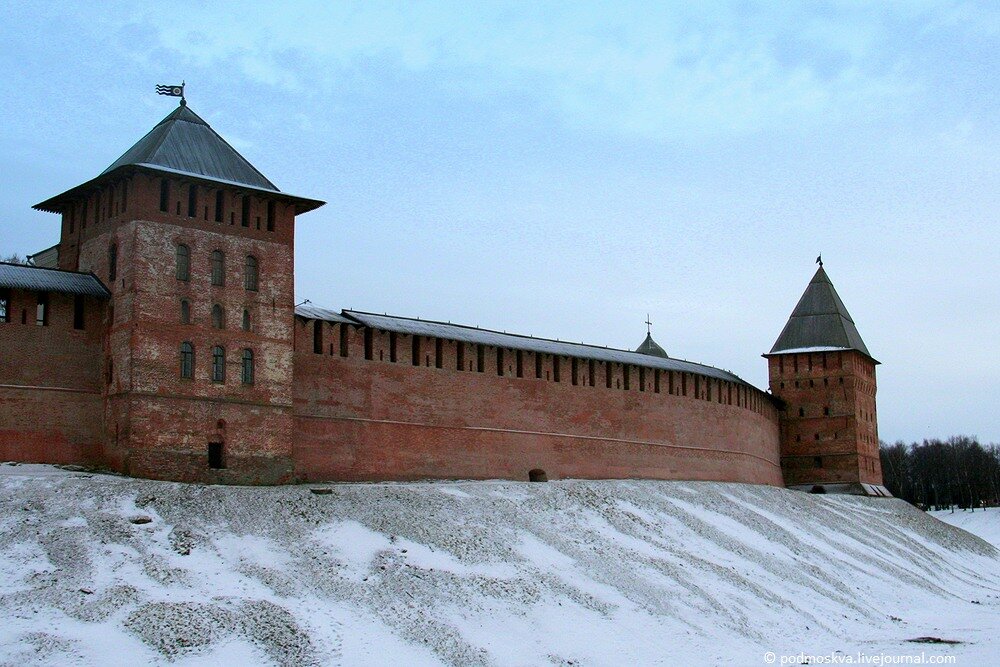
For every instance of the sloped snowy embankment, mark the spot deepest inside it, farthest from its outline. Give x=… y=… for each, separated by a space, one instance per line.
x=476 y=573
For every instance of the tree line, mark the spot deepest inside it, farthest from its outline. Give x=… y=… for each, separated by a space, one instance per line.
x=959 y=471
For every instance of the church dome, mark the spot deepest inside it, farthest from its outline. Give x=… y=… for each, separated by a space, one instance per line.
x=650 y=347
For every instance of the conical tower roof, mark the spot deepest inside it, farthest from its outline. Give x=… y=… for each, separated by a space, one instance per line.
x=820 y=321
x=185 y=145
x=650 y=347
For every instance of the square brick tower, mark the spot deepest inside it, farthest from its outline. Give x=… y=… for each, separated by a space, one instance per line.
x=824 y=376
x=195 y=246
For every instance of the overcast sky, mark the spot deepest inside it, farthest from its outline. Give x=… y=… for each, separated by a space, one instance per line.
x=561 y=170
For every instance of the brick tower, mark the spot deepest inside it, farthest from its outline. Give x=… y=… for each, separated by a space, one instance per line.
x=824 y=376
x=195 y=246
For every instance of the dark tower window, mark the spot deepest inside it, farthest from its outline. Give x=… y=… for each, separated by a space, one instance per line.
x=4 y=305
x=369 y=343
x=460 y=355
x=78 y=312
x=656 y=381
x=246 y=320
x=245 y=215
x=826 y=411
x=218 y=364
x=590 y=372
x=185 y=311
x=215 y=458
x=802 y=412
x=318 y=337
x=42 y=310
x=500 y=368
x=574 y=371
x=415 y=350
x=438 y=353
x=113 y=262
x=164 y=195
x=642 y=378
x=538 y=365
x=192 y=201
x=246 y=368
x=392 y=346
x=608 y=374
x=218 y=268
x=480 y=358
x=183 y=262
x=218 y=317
x=187 y=360
x=270 y=215
x=818 y=461
x=344 y=333
x=520 y=363
x=555 y=368
x=220 y=205
x=250 y=274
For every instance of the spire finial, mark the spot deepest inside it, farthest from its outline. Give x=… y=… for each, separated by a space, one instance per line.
x=649 y=326
x=819 y=260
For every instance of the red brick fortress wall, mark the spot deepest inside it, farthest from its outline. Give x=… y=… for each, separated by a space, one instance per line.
x=50 y=381
x=419 y=417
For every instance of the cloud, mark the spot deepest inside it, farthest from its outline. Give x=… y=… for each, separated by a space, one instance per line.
x=648 y=71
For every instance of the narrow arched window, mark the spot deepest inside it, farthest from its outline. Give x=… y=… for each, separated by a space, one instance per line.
x=218 y=317
x=218 y=268
x=250 y=274
x=183 y=262
x=246 y=320
x=187 y=360
x=247 y=367
x=218 y=364
x=185 y=311
x=113 y=262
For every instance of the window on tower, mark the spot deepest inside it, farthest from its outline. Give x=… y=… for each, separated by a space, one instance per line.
x=218 y=364
x=218 y=317
x=218 y=268
x=185 y=311
x=183 y=262
x=113 y=262
x=246 y=374
x=165 y=195
x=250 y=274
x=187 y=360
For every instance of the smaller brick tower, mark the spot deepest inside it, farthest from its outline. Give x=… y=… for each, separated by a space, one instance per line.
x=824 y=376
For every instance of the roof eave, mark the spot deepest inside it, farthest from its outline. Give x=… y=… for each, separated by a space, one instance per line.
x=55 y=204
x=775 y=353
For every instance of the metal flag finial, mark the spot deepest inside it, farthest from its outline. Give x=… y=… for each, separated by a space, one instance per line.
x=819 y=260
x=172 y=91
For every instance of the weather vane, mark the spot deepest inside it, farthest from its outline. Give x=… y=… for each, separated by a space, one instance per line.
x=172 y=91
x=819 y=260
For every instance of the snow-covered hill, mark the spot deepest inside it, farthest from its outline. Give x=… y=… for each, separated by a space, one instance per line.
x=106 y=570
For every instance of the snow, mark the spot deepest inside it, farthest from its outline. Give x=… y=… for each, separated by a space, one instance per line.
x=984 y=523
x=479 y=573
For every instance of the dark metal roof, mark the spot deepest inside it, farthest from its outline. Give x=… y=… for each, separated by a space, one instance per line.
x=476 y=335
x=820 y=322
x=316 y=313
x=39 y=279
x=184 y=144
x=650 y=347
